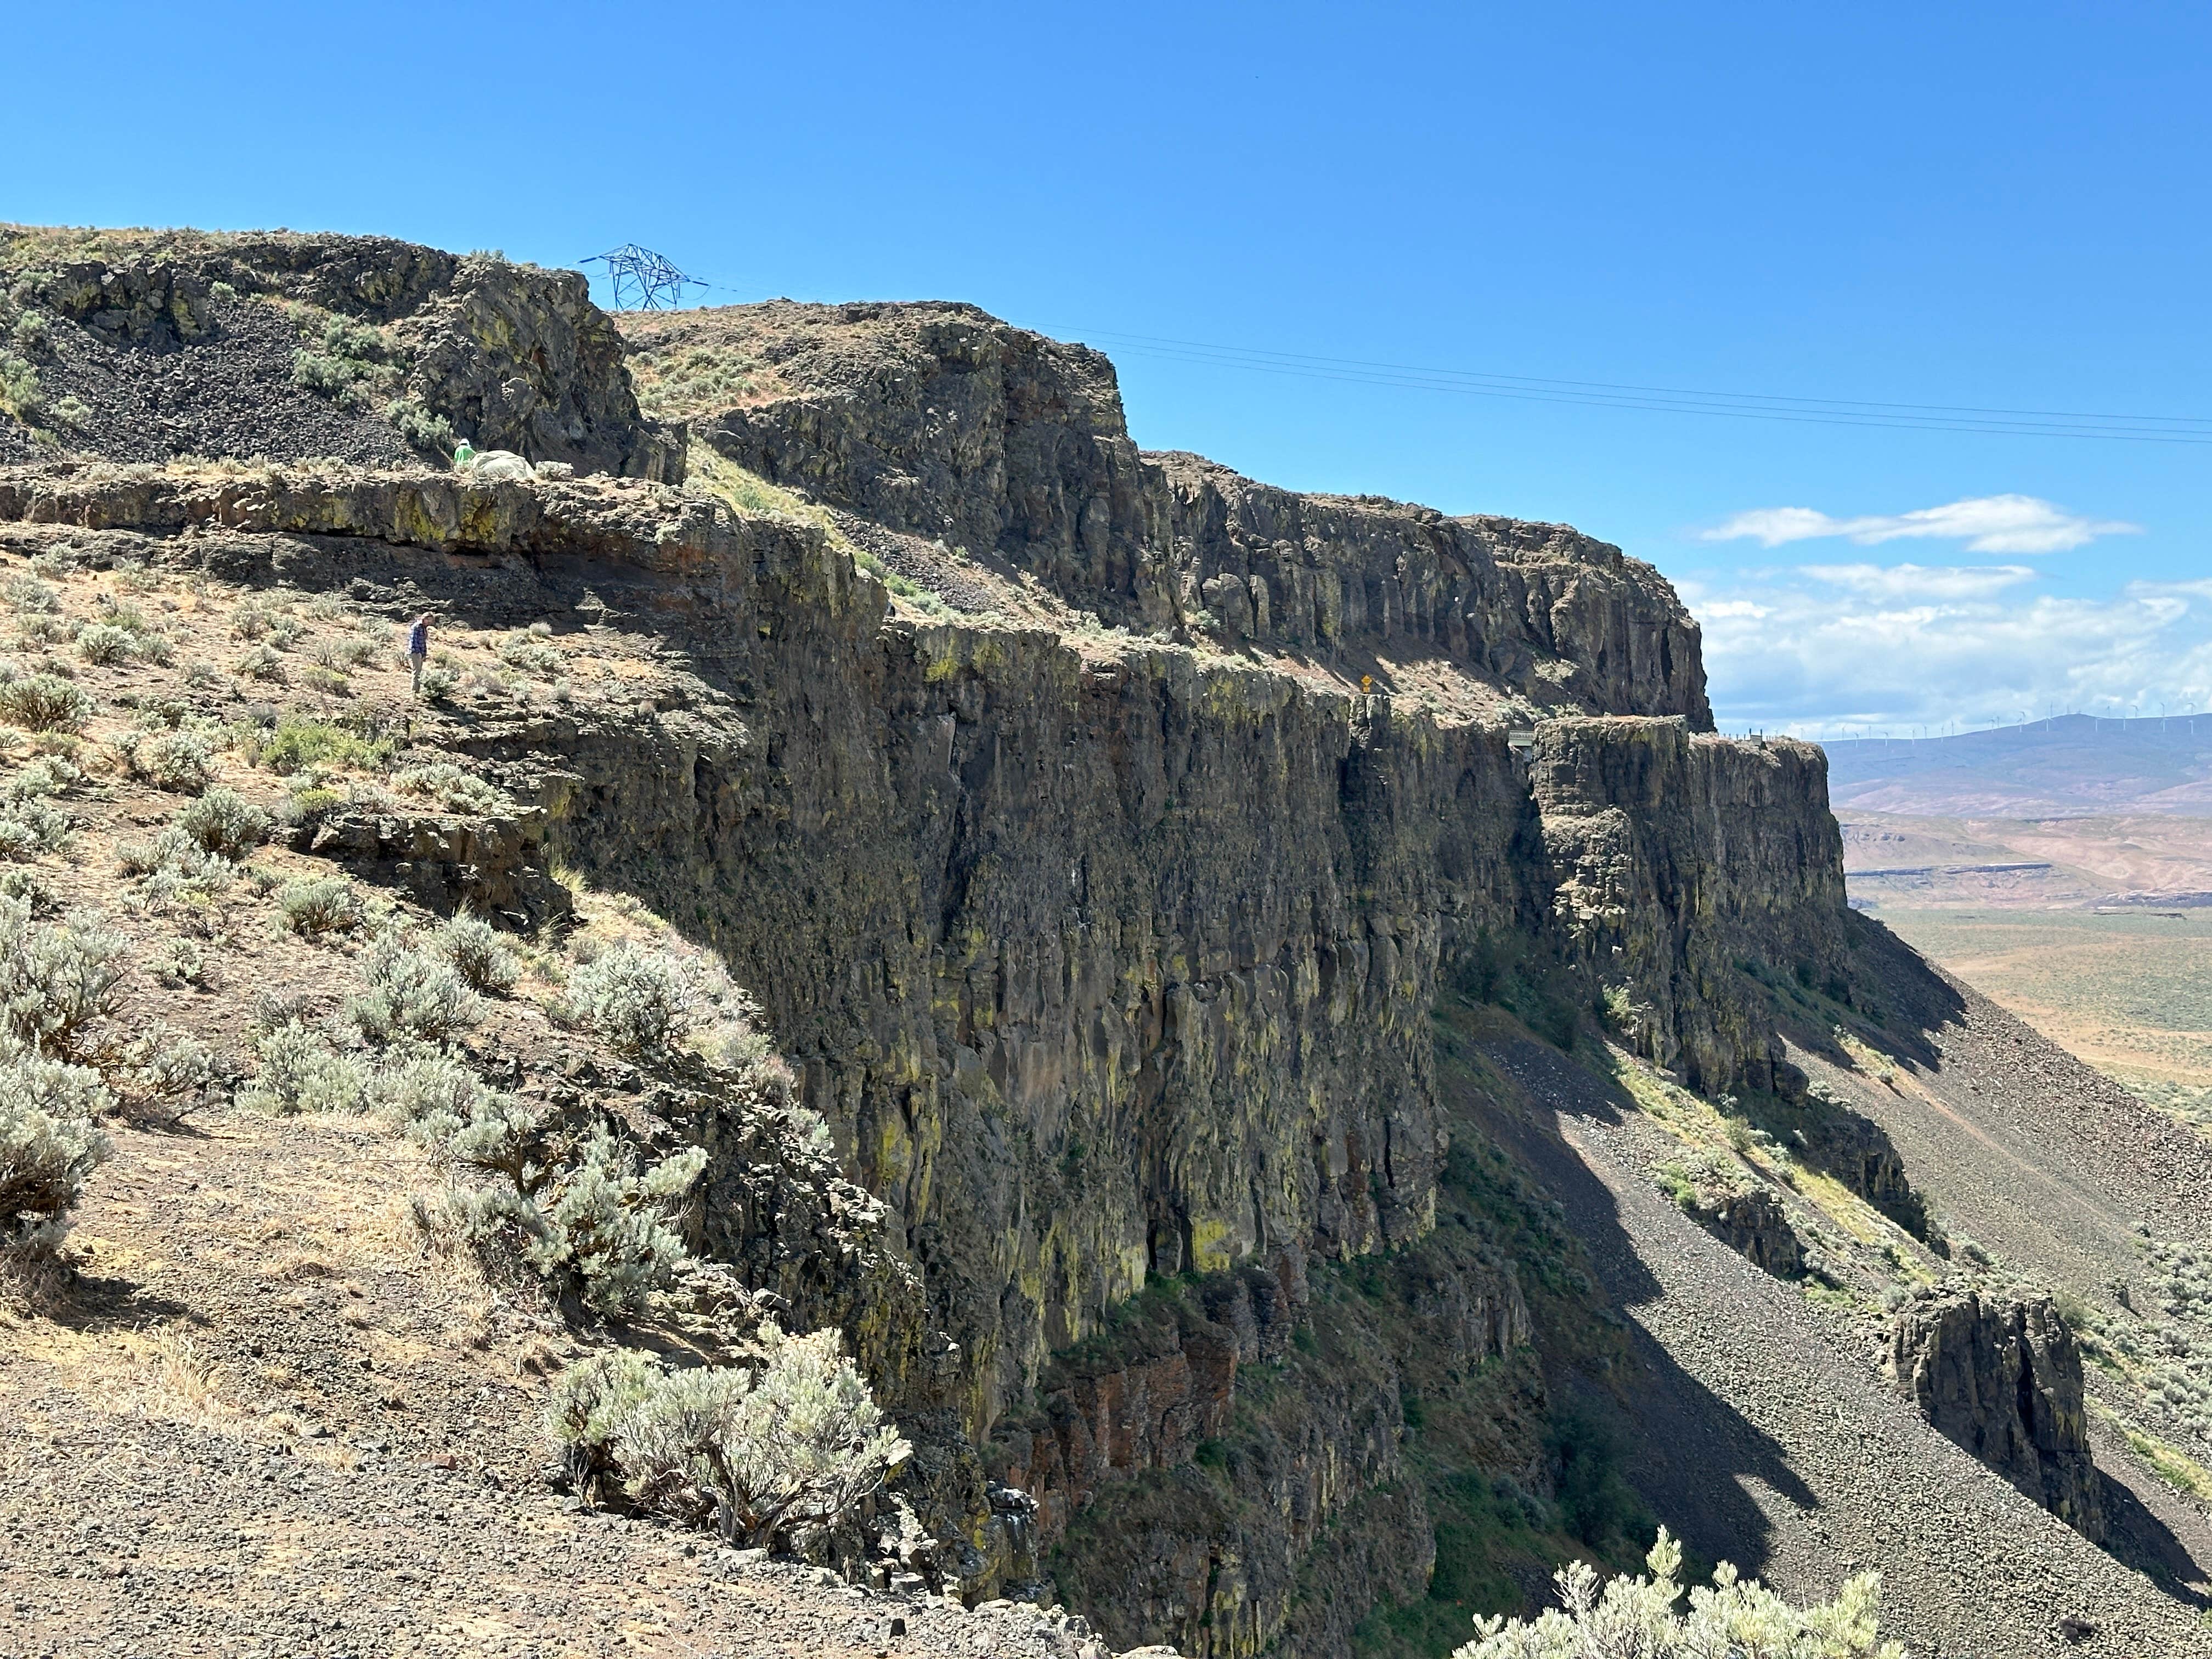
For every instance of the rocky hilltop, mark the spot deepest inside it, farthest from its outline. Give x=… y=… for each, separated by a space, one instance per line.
x=1262 y=962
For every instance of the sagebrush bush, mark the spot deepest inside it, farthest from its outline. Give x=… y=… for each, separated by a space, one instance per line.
x=635 y=997
x=30 y=827
x=451 y=787
x=529 y=653
x=224 y=822
x=325 y=904
x=301 y=1072
x=183 y=762
x=164 y=1062
x=58 y=979
x=175 y=867
x=1736 y=1618
x=181 y=961
x=50 y=1141
x=587 y=1219
x=262 y=663
x=102 y=643
x=479 y=955
x=413 y=995
x=32 y=888
x=29 y=594
x=296 y=744
x=434 y=1095
x=44 y=703
x=48 y=775
x=419 y=428
x=759 y=1453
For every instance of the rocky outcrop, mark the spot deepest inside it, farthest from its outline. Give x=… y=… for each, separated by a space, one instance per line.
x=2002 y=1376
x=1751 y=1224
x=449 y=861
x=940 y=420
x=514 y=356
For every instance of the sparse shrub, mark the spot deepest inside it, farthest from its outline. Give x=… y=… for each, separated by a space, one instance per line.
x=224 y=822
x=478 y=954
x=27 y=594
x=29 y=827
x=175 y=867
x=439 y=683
x=413 y=996
x=527 y=654
x=20 y=393
x=32 y=331
x=250 y=618
x=758 y=1455
x=181 y=961
x=40 y=630
x=435 y=1094
x=50 y=1142
x=635 y=998
x=451 y=787
x=203 y=676
x=182 y=761
x=1637 y=1616
x=296 y=744
x=58 y=979
x=262 y=663
x=32 y=888
x=419 y=428
x=590 y=1221
x=344 y=653
x=44 y=703
x=300 y=1071
x=325 y=904
x=102 y=643
x=133 y=576
x=166 y=1063
x=72 y=411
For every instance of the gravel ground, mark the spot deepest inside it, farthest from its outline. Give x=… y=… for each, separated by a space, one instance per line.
x=1766 y=1434
x=267 y=1423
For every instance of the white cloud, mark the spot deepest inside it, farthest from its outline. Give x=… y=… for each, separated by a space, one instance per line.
x=1920 y=581
x=1832 y=649
x=1986 y=524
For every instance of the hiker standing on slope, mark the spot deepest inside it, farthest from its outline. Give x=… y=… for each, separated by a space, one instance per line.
x=418 y=648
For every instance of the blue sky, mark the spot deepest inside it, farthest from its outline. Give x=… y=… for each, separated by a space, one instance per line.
x=1978 y=205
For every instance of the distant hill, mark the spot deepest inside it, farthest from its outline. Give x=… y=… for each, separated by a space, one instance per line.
x=2072 y=765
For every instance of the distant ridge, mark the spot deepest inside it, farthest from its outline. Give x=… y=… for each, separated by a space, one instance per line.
x=2077 y=764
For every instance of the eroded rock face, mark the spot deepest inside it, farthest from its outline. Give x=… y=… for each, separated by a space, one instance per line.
x=1751 y=1224
x=514 y=356
x=2002 y=1378
x=940 y=420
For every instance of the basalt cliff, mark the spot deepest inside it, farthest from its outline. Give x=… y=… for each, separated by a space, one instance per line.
x=1193 y=908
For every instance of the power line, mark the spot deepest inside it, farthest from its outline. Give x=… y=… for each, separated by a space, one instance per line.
x=1919 y=418
x=638 y=273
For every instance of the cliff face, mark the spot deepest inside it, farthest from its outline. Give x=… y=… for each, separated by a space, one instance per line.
x=944 y=422
x=1106 y=966
x=1110 y=960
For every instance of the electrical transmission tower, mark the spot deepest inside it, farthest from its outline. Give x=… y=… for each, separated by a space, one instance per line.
x=643 y=280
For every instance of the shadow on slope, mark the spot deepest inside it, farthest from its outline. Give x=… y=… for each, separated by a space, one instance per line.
x=1692 y=1456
